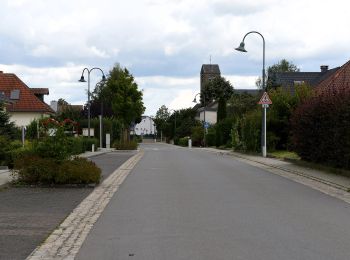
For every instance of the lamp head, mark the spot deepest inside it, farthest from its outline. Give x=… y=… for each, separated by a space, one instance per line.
x=194 y=100
x=104 y=78
x=241 y=47
x=82 y=79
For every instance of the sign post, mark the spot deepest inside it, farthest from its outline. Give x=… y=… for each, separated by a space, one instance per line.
x=265 y=101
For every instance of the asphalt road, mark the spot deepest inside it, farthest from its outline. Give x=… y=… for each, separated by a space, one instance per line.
x=29 y=214
x=190 y=204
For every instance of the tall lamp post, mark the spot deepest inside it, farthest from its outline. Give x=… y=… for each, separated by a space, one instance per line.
x=82 y=79
x=263 y=132
x=204 y=122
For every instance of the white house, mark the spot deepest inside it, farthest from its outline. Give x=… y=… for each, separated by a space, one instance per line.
x=26 y=104
x=145 y=127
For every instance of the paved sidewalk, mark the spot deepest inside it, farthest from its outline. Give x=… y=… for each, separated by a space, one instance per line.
x=334 y=180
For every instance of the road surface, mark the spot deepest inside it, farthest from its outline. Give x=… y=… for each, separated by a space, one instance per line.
x=181 y=203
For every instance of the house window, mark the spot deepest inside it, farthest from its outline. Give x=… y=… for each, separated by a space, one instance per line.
x=298 y=82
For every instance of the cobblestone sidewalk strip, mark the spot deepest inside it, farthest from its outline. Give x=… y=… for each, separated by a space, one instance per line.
x=66 y=240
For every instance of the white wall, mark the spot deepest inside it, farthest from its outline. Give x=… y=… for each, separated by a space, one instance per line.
x=210 y=116
x=145 y=127
x=24 y=118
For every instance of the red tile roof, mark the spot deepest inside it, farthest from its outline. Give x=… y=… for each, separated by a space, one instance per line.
x=339 y=80
x=27 y=101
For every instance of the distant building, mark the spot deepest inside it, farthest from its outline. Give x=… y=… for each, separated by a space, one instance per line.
x=288 y=80
x=23 y=103
x=145 y=127
x=208 y=71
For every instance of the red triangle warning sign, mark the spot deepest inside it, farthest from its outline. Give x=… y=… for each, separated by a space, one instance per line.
x=265 y=100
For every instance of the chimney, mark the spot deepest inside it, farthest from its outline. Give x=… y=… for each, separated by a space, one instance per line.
x=324 y=68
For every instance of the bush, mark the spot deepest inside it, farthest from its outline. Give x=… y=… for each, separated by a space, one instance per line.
x=78 y=171
x=251 y=131
x=320 y=128
x=87 y=143
x=183 y=141
x=197 y=136
x=223 y=132
x=210 y=136
x=34 y=169
x=119 y=145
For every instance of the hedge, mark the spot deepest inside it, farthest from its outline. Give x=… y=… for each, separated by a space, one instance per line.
x=321 y=128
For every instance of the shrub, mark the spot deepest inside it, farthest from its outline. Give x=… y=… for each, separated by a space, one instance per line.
x=210 y=136
x=320 y=128
x=183 y=141
x=78 y=171
x=130 y=145
x=36 y=170
x=33 y=169
x=250 y=131
x=87 y=143
x=223 y=132
x=197 y=135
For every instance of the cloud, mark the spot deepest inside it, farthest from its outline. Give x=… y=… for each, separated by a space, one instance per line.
x=164 y=42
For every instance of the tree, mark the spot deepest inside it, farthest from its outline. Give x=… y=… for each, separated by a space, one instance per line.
x=281 y=66
x=126 y=100
x=218 y=89
x=161 y=118
x=7 y=128
x=66 y=110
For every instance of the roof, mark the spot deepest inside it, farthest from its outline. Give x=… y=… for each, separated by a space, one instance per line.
x=339 y=79
x=40 y=91
x=210 y=68
x=287 y=80
x=254 y=92
x=27 y=101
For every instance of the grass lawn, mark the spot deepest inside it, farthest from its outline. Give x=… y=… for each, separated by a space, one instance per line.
x=284 y=155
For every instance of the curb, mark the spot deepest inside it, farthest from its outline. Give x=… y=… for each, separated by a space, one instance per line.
x=66 y=240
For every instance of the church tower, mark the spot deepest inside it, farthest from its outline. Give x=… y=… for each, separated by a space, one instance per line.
x=209 y=71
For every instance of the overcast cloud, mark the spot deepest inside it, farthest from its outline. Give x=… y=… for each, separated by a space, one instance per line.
x=164 y=42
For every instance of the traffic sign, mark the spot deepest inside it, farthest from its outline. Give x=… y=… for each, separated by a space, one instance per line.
x=265 y=100
x=206 y=125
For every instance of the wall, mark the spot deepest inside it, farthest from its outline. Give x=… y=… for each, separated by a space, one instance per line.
x=145 y=127
x=24 y=118
x=210 y=116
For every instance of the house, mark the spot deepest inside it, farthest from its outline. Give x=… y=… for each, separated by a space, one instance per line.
x=25 y=104
x=337 y=80
x=145 y=127
x=288 y=80
x=209 y=113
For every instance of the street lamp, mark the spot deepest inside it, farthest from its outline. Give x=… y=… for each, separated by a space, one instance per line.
x=82 y=79
x=204 y=123
x=241 y=48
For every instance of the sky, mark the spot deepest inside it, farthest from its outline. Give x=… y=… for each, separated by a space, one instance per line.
x=164 y=43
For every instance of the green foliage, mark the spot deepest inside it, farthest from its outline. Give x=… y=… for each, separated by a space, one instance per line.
x=185 y=121
x=34 y=169
x=241 y=103
x=281 y=66
x=183 y=141
x=250 y=126
x=161 y=118
x=128 y=145
x=223 y=132
x=7 y=128
x=124 y=96
x=197 y=135
x=78 y=171
x=32 y=129
x=211 y=136
x=218 y=89
x=320 y=127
